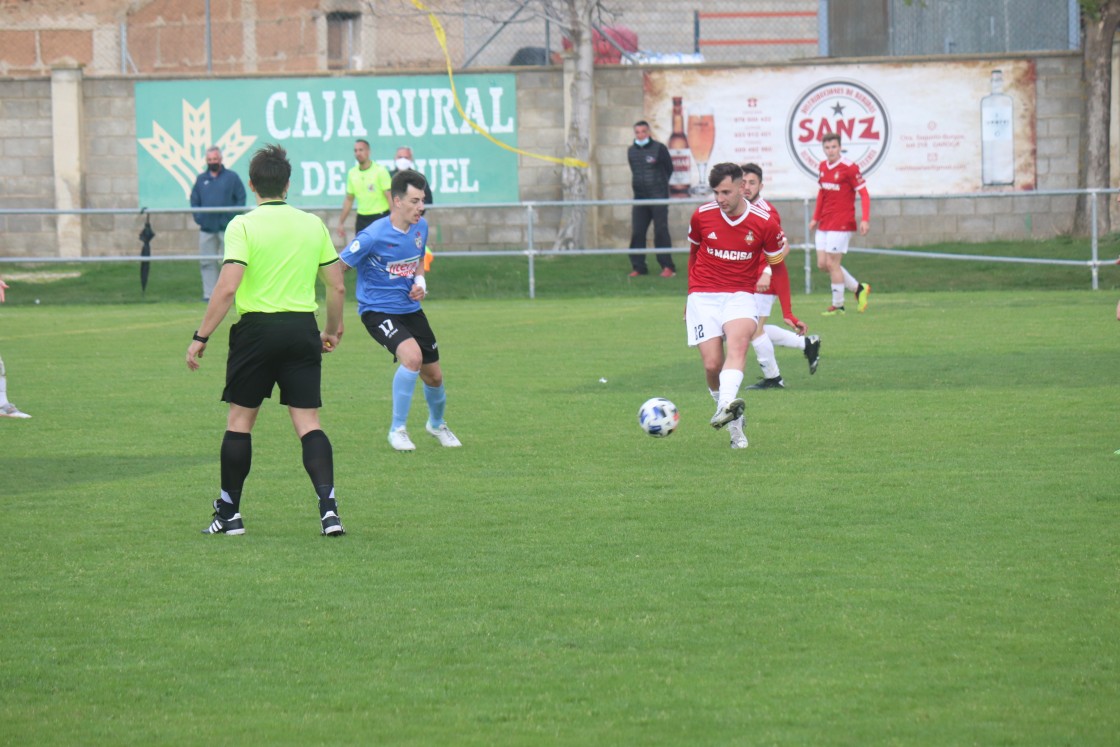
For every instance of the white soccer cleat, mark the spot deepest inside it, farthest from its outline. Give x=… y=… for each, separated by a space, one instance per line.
x=738 y=438
x=399 y=440
x=8 y=410
x=444 y=435
x=727 y=413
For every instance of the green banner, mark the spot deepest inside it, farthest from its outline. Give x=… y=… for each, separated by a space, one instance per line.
x=317 y=121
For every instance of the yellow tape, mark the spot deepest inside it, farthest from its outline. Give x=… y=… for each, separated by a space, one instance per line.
x=441 y=37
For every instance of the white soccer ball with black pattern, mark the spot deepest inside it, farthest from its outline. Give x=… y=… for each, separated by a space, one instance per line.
x=658 y=417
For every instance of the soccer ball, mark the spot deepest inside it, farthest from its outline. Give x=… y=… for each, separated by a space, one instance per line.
x=658 y=417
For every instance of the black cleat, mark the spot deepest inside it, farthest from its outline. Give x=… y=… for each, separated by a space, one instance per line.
x=328 y=517
x=813 y=352
x=224 y=525
x=774 y=383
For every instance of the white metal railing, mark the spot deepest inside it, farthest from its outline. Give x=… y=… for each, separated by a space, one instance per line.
x=531 y=251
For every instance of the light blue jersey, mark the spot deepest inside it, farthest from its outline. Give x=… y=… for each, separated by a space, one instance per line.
x=386 y=260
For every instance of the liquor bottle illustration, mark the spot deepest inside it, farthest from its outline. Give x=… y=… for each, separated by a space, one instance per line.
x=997 y=137
x=681 y=179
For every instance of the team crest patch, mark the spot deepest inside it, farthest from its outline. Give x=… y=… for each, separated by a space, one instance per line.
x=419 y=243
x=749 y=237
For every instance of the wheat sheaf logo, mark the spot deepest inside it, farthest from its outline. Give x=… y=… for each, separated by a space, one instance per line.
x=184 y=160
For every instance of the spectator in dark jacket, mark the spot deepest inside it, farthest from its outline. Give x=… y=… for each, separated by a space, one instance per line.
x=650 y=169
x=215 y=187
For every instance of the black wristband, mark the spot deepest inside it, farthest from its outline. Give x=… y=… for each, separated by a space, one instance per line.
x=199 y=338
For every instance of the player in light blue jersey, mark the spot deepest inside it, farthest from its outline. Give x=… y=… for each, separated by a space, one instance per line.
x=388 y=256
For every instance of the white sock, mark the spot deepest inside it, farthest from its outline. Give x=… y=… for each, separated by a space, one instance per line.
x=3 y=384
x=764 y=351
x=715 y=395
x=849 y=281
x=729 y=381
x=782 y=337
x=838 y=294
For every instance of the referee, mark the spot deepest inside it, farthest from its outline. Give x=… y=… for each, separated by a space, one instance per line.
x=272 y=258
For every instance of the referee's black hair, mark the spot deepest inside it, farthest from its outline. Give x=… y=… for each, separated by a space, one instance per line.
x=270 y=171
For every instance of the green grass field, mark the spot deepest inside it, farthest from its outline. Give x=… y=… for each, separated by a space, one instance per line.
x=919 y=547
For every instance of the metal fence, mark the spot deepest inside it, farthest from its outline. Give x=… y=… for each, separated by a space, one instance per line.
x=797 y=214
x=200 y=37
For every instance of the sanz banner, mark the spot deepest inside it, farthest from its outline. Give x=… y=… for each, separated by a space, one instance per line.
x=317 y=121
x=914 y=128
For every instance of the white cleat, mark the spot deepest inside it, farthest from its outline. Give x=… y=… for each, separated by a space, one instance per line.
x=8 y=410
x=728 y=412
x=738 y=438
x=399 y=440
x=444 y=435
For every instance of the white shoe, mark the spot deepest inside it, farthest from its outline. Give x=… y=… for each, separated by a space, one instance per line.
x=443 y=434
x=727 y=413
x=738 y=438
x=8 y=410
x=400 y=441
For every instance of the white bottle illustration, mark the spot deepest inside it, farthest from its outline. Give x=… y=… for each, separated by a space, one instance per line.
x=997 y=114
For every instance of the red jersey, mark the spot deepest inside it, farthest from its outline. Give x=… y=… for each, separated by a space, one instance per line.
x=728 y=254
x=779 y=281
x=836 y=199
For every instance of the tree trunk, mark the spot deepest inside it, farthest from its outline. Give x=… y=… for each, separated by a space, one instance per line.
x=574 y=180
x=1096 y=79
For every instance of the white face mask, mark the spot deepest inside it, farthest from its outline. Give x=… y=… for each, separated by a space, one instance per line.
x=642 y=143
x=403 y=163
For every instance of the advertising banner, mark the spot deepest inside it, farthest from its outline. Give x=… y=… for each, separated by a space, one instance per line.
x=912 y=128
x=317 y=121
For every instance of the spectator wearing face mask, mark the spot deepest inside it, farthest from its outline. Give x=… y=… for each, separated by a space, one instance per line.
x=215 y=187
x=402 y=161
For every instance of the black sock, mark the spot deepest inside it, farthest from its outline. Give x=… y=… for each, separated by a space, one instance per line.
x=237 y=458
x=318 y=460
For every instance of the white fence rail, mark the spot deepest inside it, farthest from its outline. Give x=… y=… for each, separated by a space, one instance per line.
x=531 y=251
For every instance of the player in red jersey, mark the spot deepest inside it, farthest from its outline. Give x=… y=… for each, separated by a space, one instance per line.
x=732 y=246
x=834 y=219
x=768 y=335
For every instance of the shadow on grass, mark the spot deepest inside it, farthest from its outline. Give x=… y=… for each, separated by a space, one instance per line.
x=37 y=475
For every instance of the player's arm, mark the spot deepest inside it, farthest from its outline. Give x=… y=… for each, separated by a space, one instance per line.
x=865 y=210
x=345 y=214
x=773 y=243
x=331 y=275
x=419 y=287
x=817 y=209
x=229 y=280
x=694 y=239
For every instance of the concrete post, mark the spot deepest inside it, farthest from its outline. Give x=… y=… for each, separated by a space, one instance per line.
x=67 y=138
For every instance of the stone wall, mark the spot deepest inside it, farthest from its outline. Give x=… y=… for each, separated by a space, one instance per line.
x=110 y=156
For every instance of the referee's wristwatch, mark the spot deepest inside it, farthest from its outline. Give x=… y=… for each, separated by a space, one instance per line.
x=199 y=338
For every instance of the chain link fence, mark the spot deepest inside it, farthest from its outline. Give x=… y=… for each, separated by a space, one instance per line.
x=208 y=37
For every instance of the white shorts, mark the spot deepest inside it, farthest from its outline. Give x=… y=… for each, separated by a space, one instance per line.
x=833 y=242
x=763 y=303
x=706 y=313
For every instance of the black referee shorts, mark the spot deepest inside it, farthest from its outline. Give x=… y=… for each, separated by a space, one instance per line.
x=390 y=330
x=282 y=348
